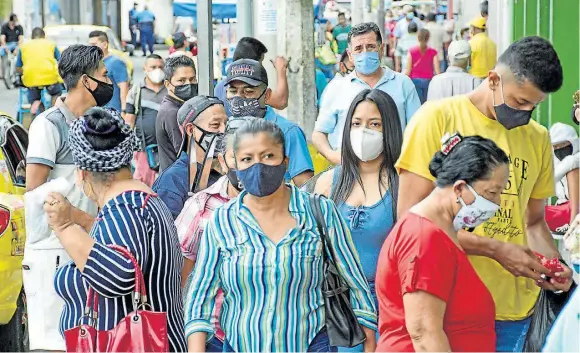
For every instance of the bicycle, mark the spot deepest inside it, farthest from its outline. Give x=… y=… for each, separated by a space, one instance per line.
x=9 y=69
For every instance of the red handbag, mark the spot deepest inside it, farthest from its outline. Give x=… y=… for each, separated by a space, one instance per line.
x=140 y=331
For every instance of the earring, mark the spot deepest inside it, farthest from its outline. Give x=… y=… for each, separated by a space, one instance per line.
x=87 y=194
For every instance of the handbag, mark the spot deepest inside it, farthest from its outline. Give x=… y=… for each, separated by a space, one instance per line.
x=341 y=323
x=140 y=331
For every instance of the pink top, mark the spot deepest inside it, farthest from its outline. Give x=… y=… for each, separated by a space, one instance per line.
x=422 y=64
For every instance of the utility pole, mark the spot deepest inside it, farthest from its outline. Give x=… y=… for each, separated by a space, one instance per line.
x=381 y=18
x=357 y=11
x=205 y=47
x=245 y=19
x=296 y=41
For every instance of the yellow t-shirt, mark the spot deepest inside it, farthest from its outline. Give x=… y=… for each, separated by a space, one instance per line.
x=483 y=55
x=531 y=176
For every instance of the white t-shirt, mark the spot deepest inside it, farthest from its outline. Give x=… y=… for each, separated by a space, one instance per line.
x=48 y=145
x=436 y=38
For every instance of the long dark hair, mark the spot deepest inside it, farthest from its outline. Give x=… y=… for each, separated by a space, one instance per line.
x=392 y=141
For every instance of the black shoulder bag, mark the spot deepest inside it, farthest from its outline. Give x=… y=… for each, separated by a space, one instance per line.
x=152 y=151
x=341 y=323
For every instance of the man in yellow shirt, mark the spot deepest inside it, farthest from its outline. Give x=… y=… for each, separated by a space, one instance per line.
x=483 y=49
x=500 y=109
x=38 y=63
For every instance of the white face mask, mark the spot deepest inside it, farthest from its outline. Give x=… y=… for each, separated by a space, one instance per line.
x=156 y=76
x=471 y=216
x=367 y=144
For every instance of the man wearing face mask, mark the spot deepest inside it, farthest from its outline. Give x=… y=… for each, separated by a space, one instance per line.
x=401 y=28
x=247 y=93
x=203 y=120
x=49 y=157
x=365 y=50
x=197 y=212
x=500 y=109
x=143 y=102
x=181 y=84
x=116 y=69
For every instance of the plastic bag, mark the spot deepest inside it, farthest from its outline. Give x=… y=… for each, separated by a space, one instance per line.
x=326 y=55
x=37 y=227
x=548 y=307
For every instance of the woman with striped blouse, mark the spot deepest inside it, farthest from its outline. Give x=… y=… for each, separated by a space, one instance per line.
x=130 y=216
x=263 y=250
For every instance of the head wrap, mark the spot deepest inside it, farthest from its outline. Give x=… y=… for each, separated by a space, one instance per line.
x=87 y=158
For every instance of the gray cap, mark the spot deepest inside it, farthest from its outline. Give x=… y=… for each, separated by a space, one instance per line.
x=248 y=71
x=191 y=109
x=459 y=49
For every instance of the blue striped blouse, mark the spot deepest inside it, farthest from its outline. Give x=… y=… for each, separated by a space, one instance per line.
x=143 y=224
x=273 y=299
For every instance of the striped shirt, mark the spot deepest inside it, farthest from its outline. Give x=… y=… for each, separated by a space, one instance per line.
x=191 y=223
x=143 y=224
x=273 y=299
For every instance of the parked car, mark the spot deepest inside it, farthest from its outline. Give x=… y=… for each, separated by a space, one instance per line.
x=13 y=319
x=67 y=35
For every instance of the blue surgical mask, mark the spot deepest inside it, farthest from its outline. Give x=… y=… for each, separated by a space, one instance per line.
x=367 y=62
x=410 y=15
x=261 y=179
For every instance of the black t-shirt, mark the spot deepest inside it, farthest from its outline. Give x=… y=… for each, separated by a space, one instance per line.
x=169 y=136
x=11 y=34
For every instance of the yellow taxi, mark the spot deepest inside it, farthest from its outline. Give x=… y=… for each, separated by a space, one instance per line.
x=13 y=320
x=67 y=35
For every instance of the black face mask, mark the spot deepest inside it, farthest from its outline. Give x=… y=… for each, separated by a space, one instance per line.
x=510 y=117
x=233 y=177
x=103 y=93
x=563 y=152
x=186 y=92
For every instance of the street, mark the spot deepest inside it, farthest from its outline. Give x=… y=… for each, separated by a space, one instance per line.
x=9 y=98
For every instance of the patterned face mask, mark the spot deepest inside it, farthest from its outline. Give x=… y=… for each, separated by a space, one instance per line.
x=241 y=106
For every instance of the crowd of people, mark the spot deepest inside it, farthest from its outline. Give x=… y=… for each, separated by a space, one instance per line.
x=434 y=209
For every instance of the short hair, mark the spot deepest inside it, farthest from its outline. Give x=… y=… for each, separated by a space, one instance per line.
x=483 y=8
x=431 y=17
x=412 y=28
x=13 y=17
x=473 y=158
x=174 y=63
x=534 y=59
x=154 y=57
x=249 y=48
x=103 y=37
x=256 y=126
x=341 y=14
x=365 y=28
x=38 y=32
x=78 y=60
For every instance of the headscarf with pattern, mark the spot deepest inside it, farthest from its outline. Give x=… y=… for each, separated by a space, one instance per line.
x=87 y=158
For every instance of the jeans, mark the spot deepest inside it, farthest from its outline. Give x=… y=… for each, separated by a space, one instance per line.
x=511 y=335
x=422 y=86
x=147 y=38
x=360 y=347
x=320 y=343
x=214 y=345
x=11 y=46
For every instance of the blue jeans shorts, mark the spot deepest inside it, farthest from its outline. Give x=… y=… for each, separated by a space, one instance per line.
x=511 y=335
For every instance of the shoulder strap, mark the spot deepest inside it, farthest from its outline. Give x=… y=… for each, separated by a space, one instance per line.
x=328 y=251
x=138 y=100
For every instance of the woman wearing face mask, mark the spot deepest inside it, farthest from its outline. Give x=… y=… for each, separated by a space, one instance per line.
x=130 y=216
x=364 y=187
x=430 y=297
x=422 y=62
x=566 y=174
x=264 y=251
x=196 y=213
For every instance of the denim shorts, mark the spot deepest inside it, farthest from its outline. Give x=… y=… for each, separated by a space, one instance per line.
x=511 y=335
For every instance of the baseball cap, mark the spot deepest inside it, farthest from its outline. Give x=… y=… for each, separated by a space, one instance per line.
x=193 y=107
x=459 y=49
x=248 y=71
x=478 y=22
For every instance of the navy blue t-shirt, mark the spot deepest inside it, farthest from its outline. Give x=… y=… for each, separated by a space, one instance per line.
x=117 y=70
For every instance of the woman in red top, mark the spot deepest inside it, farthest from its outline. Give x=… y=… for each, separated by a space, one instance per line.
x=430 y=297
x=422 y=62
